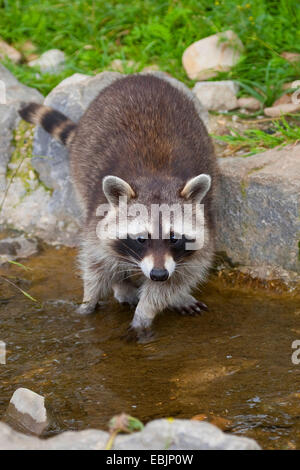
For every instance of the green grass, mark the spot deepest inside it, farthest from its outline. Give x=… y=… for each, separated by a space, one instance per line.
x=254 y=141
x=156 y=31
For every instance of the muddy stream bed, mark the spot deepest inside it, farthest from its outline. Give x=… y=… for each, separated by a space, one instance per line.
x=234 y=362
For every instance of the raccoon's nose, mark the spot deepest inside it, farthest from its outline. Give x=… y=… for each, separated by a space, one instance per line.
x=159 y=274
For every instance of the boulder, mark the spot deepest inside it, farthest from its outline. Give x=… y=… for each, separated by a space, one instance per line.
x=52 y=61
x=217 y=53
x=161 y=434
x=16 y=92
x=258 y=208
x=217 y=96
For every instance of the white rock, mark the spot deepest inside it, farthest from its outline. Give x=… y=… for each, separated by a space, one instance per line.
x=52 y=61
x=27 y=410
x=277 y=111
x=249 y=102
x=205 y=58
x=217 y=96
x=157 y=435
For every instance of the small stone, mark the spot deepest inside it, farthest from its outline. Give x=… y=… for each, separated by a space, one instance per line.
x=291 y=56
x=290 y=85
x=217 y=96
x=277 y=111
x=249 y=102
x=52 y=61
x=151 y=68
x=217 y=53
x=26 y=411
x=284 y=99
x=7 y=51
x=118 y=65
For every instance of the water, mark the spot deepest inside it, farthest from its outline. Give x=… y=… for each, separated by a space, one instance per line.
x=233 y=362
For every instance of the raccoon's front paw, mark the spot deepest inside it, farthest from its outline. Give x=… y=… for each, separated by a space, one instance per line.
x=85 y=309
x=138 y=335
x=192 y=307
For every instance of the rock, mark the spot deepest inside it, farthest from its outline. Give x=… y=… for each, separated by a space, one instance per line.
x=151 y=68
x=16 y=248
x=284 y=99
x=118 y=65
x=217 y=53
x=184 y=435
x=7 y=51
x=52 y=61
x=8 y=122
x=161 y=434
x=27 y=412
x=16 y=92
x=291 y=56
x=258 y=211
x=291 y=85
x=286 y=108
x=217 y=96
x=250 y=103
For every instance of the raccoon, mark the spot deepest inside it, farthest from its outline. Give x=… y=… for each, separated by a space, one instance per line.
x=141 y=141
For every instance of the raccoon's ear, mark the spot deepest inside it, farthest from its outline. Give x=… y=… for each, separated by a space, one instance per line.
x=196 y=188
x=114 y=187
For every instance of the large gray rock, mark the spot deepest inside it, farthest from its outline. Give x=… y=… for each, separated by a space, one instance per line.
x=16 y=91
x=12 y=92
x=259 y=207
x=160 y=434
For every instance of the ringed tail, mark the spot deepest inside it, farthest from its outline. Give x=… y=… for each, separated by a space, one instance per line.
x=54 y=122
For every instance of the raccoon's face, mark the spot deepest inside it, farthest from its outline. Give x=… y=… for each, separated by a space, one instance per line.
x=158 y=245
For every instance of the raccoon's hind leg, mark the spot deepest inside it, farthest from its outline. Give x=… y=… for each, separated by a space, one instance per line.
x=126 y=292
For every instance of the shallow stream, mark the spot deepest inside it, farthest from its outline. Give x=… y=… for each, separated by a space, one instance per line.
x=233 y=364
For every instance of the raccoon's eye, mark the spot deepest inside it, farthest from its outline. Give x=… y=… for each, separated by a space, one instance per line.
x=141 y=239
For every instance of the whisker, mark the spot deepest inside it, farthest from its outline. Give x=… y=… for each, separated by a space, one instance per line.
x=134 y=252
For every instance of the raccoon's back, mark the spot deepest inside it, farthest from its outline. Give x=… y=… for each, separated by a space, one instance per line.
x=139 y=124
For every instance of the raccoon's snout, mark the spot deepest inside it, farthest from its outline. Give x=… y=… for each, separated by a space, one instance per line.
x=159 y=274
